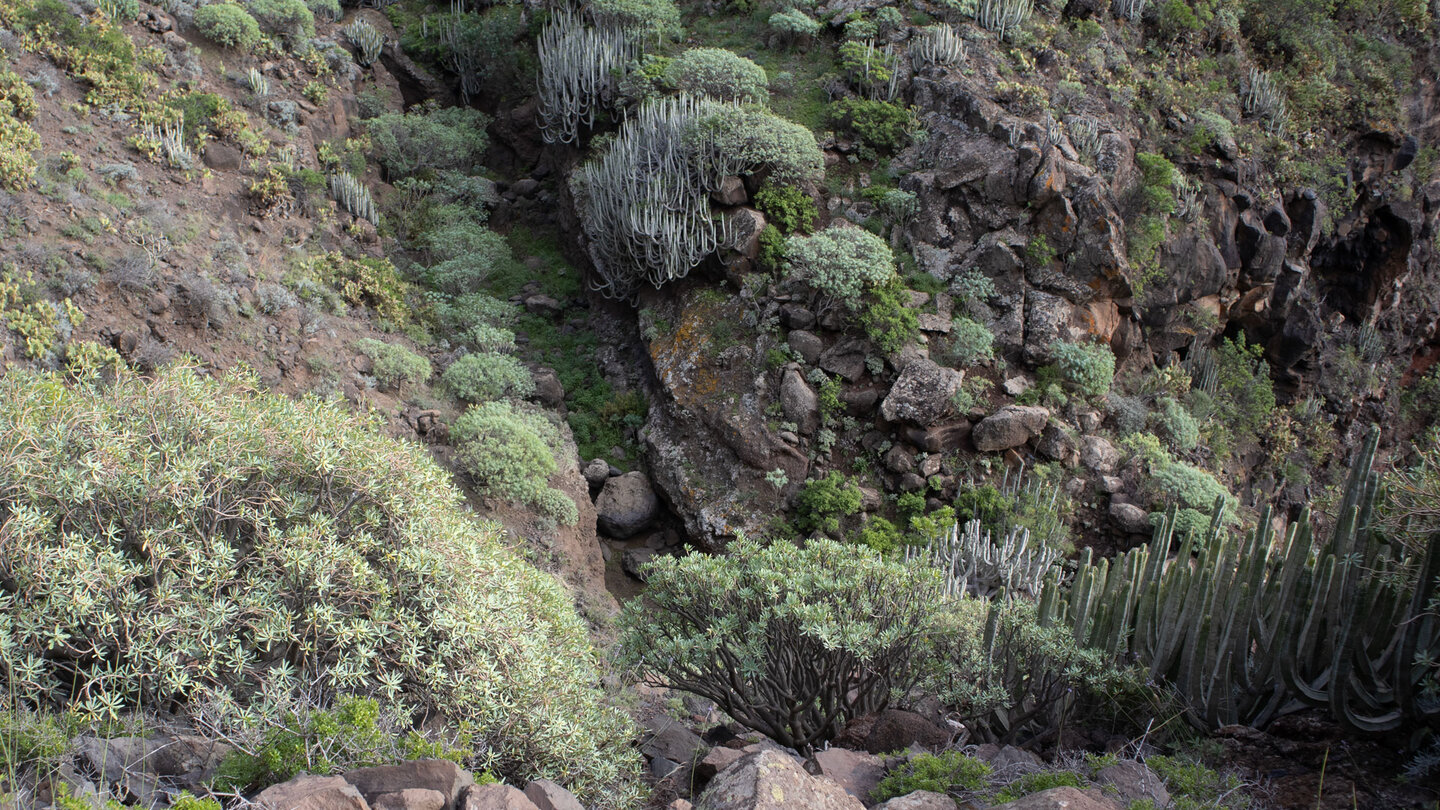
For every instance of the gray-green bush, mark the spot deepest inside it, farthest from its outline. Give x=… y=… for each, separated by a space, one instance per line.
x=719 y=74
x=510 y=452
x=482 y=376
x=228 y=24
x=392 y=365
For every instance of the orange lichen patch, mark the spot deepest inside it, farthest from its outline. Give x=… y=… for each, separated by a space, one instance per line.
x=1100 y=318
x=680 y=357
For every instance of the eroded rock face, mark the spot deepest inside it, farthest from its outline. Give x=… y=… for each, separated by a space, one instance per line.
x=771 y=780
x=1011 y=426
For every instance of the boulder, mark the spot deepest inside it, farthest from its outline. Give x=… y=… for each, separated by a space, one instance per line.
x=440 y=775
x=1011 y=426
x=799 y=402
x=312 y=793
x=919 y=800
x=771 y=780
x=806 y=344
x=548 y=389
x=922 y=393
x=847 y=364
x=718 y=759
x=1098 y=455
x=410 y=799
x=1135 y=782
x=596 y=473
x=1056 y=445
x=730 y=192
x=1130 y=518
x=496 y=797
x=858 y=773
x=547 y=795
x=891 y=730
x=794 y=316
x=626 y=505
x=672 y=741
x=1062 y=798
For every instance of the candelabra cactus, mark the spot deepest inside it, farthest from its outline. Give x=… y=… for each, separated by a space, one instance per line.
x=368 y=41
x=936 y=45
x=579 y=69
x=1256 y=627
x=354 y=197
x=975 y=563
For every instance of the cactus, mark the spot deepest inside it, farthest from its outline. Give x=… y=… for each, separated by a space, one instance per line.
x=1084 y=133
x=1132 y=10
x=354 y=197
x=258 y=84
x=579 y=69
x=1201 y=365
x=974 y=563
x=368 y=41
x=1003 y=15
x=1263 y=99
x=936 y=45
x=1260 y=626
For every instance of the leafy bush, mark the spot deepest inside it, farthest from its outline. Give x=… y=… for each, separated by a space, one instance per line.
x=822 y=502
x=511 y=453
x=1038 y=781
x=758 y=139
x=882 y=126
x=719 y=74
x=1245 y=395
x=946 y=772
x=1087 y=368
x=792 y=642
x=793 y=24
x=18 y=141
x=394 y=366
x=463 y=254
x=971 y=342
x=888 y=322
x=291 y=20
x=277 y=548
x=1176 y=424
x=786 y=207
x=326 y=9
x=229 y=25
x=481 y=377
x=429 y=139
x=650 y=18
x=839 y=262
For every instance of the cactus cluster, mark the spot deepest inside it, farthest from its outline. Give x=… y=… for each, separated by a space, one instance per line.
x=1003 y=15
x=354 y=197
x=1084 y=133
x=258 y=84
x=644 y=204
x=937 y=45
x=1132 y=10
x=1201 y=365
x=169 y=137
x=975 y=563
x=1259 y=626
x=368 y=41
x=1263 y=99
x=579 y=69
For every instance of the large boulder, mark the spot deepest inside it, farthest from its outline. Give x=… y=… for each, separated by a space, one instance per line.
x=858 y=773
x=1130 y=518
x=772 y=780
x=627 y=505
x=892 y=730
x=547 y=795
x=312 y=793
x=673 y=741
x=439 y=775
x=1135 y=783
x=922 y=394
x=1062 y=798
x=410 y=799
x=799 y=402
x=1011 y=426
x=496 y=797
x=919 y=800
x=1099 y=455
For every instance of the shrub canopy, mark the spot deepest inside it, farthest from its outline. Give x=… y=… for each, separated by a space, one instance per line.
x=188 y=543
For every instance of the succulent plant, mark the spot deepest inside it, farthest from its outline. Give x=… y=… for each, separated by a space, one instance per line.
x=368 y=41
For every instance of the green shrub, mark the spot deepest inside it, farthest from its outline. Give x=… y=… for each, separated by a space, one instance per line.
x=1176 y=424
x=786 y=207
x=946 y=772
x=888 y=322
x=200 y=544
x=394 y=366
x=719 y=74
x=229 y=25
x=792 y=642
x=463 y=255
x=1157 y=183
x=481 y=377
x=882 y=126
x=1038 y=781
x=881 y=535
x=822 y=502
x=325 y=9
x=1244 y=393
x=793 y=24
x=761 y=141
x=291 y=20
x=772 y=250
x=429 y=139
x=510 y=453
x=650 y=18
x=1087 y=368
x=1195 y=785
x=841 y=263
x=971 y=342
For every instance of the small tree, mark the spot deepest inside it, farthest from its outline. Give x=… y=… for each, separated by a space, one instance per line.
x=841 y=263
x=792 y=642
x=719 y=74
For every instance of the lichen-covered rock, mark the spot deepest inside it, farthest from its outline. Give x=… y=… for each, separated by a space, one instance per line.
x=919 y=800
x=1130 y=518
x=1011 y=426
x=1099 y=455
x=1062 y=798
x=922 y=394
x=1135 y=782
x=312 y=793
x=799 y=402
x=771 y=780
